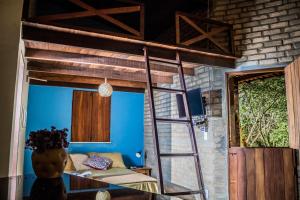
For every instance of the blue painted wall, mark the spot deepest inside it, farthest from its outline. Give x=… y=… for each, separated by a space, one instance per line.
x=52 y=106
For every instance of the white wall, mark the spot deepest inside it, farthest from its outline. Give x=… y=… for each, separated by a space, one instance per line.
x=10 y=15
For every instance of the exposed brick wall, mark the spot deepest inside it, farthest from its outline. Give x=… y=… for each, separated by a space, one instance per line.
x=266 y=32
x=213 y=100
x=213 y=153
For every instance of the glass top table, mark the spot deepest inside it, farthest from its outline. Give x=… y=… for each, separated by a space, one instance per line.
x=29 y=187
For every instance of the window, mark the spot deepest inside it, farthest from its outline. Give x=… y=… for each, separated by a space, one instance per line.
x=90 y=117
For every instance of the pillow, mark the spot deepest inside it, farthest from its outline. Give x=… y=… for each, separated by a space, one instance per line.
x=98 y=162
x=115 y=157
x=78 y=160
x=69 y=166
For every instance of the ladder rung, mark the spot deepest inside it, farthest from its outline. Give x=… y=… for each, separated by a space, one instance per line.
x=173 y=120
x=168 y=90
x=183 y=193
x=163 y=61
x=178 y=154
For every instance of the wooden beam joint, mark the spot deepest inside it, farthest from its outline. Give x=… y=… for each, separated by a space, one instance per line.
x=104 y=13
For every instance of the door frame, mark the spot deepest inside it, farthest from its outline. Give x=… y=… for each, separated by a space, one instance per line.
x=232 y=79
x=233 y=134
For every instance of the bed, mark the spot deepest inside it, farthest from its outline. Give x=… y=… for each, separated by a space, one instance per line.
x=117 y=175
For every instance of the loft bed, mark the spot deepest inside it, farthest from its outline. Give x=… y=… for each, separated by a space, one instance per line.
x=64 y=49
x=91 y=41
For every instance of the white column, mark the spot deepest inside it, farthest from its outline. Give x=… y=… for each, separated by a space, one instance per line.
x=10 y=17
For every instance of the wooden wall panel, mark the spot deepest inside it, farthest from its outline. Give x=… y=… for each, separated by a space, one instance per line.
x=268 y=171
x=233 y=113
x=292 y=79
x=101 y=118
x=278 y=173
x=81 y=116
x=259 y=174
x=233 y=178
x=289 y=178
x=250 y=173
x=262 y=174
x=90 y=117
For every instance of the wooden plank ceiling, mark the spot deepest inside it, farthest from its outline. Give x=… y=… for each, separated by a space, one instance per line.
x=55 y=62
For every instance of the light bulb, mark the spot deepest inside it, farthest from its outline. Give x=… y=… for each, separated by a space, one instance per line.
x=105 y=89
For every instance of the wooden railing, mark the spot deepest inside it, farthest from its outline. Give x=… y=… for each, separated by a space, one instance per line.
x=108 y=15
x=206 y=34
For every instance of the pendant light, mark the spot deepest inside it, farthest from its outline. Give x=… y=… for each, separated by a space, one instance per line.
x=105 y=89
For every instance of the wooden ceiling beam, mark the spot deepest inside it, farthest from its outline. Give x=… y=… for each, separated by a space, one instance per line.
x=32 y=44
x=121 y=45
x=63 y=79
x=58 y=56
x=82 y=85
x=96 y=73
x=90 y=66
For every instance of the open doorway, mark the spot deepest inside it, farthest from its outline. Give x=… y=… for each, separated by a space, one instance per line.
x=259 y=136
x=258 y=109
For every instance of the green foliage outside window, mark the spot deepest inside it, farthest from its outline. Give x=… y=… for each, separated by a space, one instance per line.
x=263 y=113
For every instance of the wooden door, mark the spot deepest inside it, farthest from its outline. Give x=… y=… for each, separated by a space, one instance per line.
x=292 y=80
x=262 y=174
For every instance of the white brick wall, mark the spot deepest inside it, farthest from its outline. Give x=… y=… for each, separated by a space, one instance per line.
x=212 y=152
x=260 y=25
x=266 y=34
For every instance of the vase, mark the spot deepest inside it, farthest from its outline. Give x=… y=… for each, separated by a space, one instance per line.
x=49 y=163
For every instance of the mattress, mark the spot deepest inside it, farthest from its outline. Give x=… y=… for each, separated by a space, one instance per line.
x=124 y=177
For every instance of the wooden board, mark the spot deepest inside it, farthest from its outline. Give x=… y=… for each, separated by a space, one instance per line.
x=32 y=44
x=233 y=114
x=100 y=126
x=262 y=174
x=292 y=80
x=80 y=58
x=81 y=116
x=95 y=72
x=90 y=82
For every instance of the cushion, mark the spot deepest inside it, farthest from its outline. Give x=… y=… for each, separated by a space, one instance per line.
x=96 y=162
x=69 y=166
x=78 y=160
x=115 y=157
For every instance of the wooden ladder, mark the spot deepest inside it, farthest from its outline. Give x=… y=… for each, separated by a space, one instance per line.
x=188 y=121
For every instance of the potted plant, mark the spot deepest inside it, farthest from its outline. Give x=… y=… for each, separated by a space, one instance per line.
x=49 y=157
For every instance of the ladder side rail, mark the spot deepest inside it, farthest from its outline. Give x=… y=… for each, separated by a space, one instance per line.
x=153 y=116
x=191 y=128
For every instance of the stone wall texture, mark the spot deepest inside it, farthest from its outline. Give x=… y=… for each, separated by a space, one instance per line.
x=174 y=137
x=266 y=35
x=266 y=32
